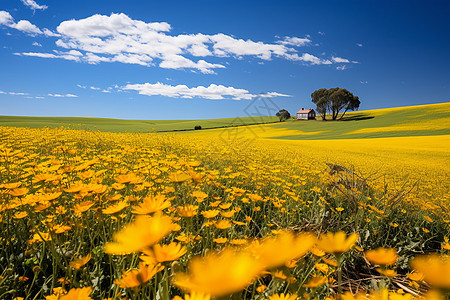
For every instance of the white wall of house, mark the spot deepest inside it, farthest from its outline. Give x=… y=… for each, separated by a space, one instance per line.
x=302 y=116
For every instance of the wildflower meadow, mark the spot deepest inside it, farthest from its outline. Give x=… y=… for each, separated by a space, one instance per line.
x=97 y=215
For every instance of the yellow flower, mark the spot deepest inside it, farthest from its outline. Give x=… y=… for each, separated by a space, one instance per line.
x=219 y=274
x=152 y=204
x=280 y=275
x=415 y=276
x=58 y=228
x=322 y=267
x=387 y=272
x=83 y=206
x=179 y=177
x=316 y=281
x=17 y=192
x=382 y=256
x=282 y=296
x=199 y=195
x=78 y=294
x=209 y=214
x=227 y=214
x=238 y=242
x=162 y=253
x=317 y=252
x=435 y=269
x=115 y=208
x=330 y=262
x=20 y=215
x=276 y=251
x=135 y=278
x=261 y=288
x=221 y=240
x=337 y=243
x=222 y=224
x=78 y=263
x=144 y=232
x=187 y=211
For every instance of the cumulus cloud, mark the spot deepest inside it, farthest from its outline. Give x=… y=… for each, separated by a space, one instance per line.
x=295 y=41
x=343 y=67
x=33 y=5
x=118 y=38
x=213 y=91
x=339 y=60
x=309 y=59
x=27 y=27
x=6 y=18
x=23 y=25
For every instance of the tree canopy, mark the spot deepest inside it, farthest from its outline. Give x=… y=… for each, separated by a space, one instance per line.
x=283 y=115
x=333 y=101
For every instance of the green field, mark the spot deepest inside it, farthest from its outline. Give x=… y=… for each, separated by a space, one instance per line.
x=119 y=125
x=433 y=119
x=420 y=120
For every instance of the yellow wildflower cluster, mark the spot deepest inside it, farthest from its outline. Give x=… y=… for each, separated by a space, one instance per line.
x=142 y=216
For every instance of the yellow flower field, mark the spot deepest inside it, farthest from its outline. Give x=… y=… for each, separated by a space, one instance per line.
x=95 y=215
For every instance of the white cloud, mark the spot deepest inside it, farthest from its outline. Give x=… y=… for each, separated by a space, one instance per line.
x=359 y=44
x=27 y=27
x=39 y=97
x=213 y=91
x=295 y=41
x=311 y=59
x=321 y=33
x=18 y=94
x=63 y=96
x=37 y=44
x=339 y=60
x=5 y=18
x=23 y=25
x=33 y=5
x=14 y=93
x=364 y=82
x=94 y=88
x=81 y=86
x=343 y=67
x=118 y=38
x=63 y=55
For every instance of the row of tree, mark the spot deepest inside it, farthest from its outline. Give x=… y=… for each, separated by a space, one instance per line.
x=333 y=101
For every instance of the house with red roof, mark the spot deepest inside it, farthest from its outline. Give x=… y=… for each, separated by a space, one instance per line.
x=306 y=114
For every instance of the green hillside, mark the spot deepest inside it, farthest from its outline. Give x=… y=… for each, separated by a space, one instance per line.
x=118 y=125
x=432 y=119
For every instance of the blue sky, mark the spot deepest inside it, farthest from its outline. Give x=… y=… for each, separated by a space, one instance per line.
x=209 y=59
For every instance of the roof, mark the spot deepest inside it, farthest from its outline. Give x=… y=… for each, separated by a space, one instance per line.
x=304 y=111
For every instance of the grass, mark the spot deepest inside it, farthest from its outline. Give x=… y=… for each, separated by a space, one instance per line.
x=421 y=120
x=119 y=125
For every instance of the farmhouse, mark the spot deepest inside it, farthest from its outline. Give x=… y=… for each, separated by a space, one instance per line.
x=306 y=114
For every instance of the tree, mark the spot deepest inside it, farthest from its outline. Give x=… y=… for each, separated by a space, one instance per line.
x=320 y=98
x=333 y=101
x=283 y=115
